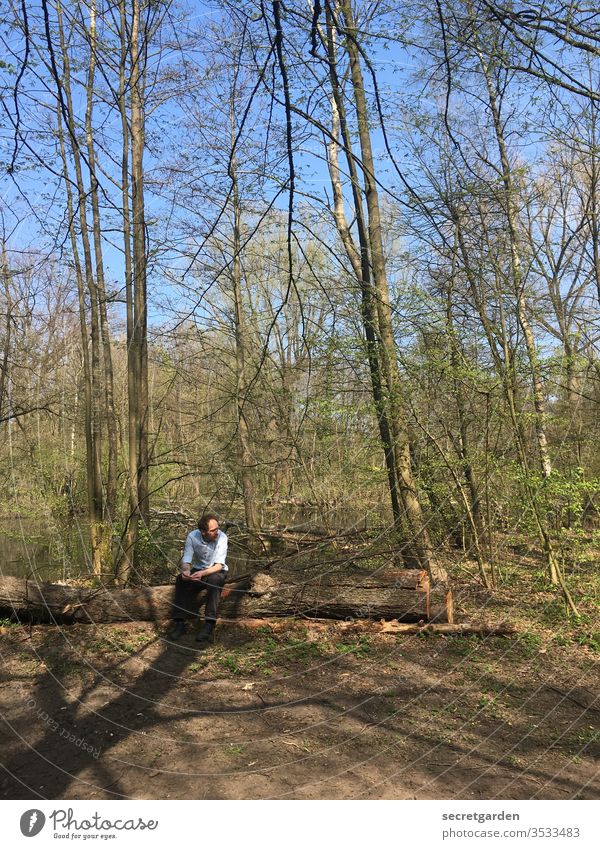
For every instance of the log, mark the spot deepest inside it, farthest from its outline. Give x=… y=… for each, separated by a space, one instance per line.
x=45 y=602
x=349 y=594
x=505 y=629
x=441 y=604
x=401 y=595
x=362 y=626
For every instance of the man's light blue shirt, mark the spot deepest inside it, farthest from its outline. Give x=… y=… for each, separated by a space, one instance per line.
x=202 y=554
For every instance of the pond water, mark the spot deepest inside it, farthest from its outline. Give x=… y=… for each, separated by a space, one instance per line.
x=29 y=549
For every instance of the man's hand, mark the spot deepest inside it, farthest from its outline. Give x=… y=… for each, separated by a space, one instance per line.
x=188 y=575
x=197 y=576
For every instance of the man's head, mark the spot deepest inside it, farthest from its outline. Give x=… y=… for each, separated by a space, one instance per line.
x=209 y=526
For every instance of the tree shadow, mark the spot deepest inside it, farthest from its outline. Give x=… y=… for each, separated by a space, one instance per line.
x=68 y=746
x=339 y=702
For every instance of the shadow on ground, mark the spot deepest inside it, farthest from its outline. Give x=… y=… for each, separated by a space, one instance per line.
x=98 y=713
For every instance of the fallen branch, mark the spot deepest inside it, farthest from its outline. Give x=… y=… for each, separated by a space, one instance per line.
x=483 y=630
x=382 y=627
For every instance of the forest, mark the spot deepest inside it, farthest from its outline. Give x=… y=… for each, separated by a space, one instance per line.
x=329 y=270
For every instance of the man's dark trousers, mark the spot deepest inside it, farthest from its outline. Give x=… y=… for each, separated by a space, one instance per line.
x=187 y=591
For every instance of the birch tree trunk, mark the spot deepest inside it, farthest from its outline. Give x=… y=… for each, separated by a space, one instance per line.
x=111 y=419
x=89 y=328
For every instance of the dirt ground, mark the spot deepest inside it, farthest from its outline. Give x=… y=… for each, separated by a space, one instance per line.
x=295 y=711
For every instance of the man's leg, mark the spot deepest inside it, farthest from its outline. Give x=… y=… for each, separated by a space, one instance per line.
x=213 y=584
x=183 y=605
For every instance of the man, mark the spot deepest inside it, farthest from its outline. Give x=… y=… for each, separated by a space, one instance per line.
x=203 y=567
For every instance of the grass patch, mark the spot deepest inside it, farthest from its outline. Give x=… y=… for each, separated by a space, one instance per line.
x=361 y=646
x=117 y=641
x=591 y=641
x=234 y=663
x=529 y=643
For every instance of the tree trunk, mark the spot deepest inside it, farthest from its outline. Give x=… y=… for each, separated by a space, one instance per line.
x=110 y=418
x=140 y=336
x=593 y=214
x=554 y=570
x=135 y=250
x=511 y=212
x=90 y=327
x=241 y=388
x=125 y=562
x=361 y=266
x=7 y=329
x=403 y=595
x=419 y=537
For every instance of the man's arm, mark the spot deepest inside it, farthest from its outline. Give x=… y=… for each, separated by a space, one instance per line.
x=186 y=557
x=221 y=550
x=216 y=567
x=220 y=555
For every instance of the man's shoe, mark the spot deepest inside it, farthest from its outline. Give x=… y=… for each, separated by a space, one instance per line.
x=177 y=630
x=205 y=635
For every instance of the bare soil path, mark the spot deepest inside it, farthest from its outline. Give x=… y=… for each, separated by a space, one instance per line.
x=295 y=711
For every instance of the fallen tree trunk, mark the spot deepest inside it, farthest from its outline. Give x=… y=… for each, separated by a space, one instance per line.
x=402 y=595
